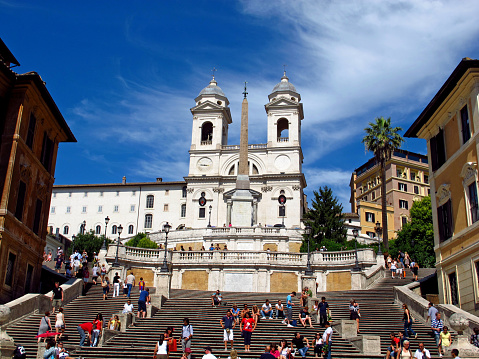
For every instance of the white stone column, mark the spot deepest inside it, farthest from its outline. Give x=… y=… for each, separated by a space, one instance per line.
x=228 y=212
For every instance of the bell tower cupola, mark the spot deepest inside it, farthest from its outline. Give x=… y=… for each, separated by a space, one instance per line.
x=285 y=112
x=211 y=117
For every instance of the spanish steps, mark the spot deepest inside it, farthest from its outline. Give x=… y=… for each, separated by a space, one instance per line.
x=379 y=316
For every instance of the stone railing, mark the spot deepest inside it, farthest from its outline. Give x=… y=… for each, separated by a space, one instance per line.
x=283 y=139
x=155 y=256
x=251 y=146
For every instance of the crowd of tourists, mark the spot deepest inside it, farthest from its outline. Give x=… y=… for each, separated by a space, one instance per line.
x=399 y=266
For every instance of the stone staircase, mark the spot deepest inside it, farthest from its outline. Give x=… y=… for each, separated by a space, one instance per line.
x=380 y=316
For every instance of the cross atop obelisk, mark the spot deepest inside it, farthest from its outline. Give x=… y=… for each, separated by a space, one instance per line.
x=243 y=156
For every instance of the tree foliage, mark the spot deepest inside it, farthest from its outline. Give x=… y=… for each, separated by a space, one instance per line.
x=382 y=139
x=141 y=240
x=89 y=242
x=417 y=236
x=326 y=221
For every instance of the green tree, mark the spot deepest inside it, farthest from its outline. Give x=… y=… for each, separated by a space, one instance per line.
x=417 y=236
x=326 y=221
x=89 y=242
x=382 y=139
x=141 y=240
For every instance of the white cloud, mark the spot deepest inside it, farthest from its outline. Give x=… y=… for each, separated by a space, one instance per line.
x=336 y=179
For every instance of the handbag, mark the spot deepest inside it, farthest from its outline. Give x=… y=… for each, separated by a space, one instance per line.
x=173 y=346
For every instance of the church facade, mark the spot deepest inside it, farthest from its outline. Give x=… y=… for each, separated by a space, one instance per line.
x=203 y=198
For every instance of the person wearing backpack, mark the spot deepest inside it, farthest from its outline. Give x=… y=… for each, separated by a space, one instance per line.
x=186 y=335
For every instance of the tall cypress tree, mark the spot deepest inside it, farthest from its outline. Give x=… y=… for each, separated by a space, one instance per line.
x=326 y=220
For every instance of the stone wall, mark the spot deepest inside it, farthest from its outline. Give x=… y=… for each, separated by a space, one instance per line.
x=195 y=279
x=145 y=273
x=283 y=282
x=338 y=281
x=294 y=247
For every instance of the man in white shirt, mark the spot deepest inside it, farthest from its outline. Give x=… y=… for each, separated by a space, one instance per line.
x=267 y=310
x=128 y=307
x=328 y=338
x=208 y=354
x=422 y=353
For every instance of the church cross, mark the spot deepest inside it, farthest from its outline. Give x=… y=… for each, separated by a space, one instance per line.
x=245 y=93
x=213 y=71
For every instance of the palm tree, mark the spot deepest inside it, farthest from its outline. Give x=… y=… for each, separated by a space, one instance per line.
x=382 y=140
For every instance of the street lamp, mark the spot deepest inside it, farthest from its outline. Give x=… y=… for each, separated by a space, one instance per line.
x=73 y=243
x=378 y=233
x=83 y=227
x=164 y=267
x=107 y=220
x=356 y=265
x=209 y=221
x=120 y=229
x=309 y=270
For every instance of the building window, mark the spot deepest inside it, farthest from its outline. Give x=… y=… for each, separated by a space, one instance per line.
x=206 y=133
x=130 y=229
x=426 y=179
x=399 y=173
x=183 y=210
x=150 y=201
x=148 y=220
x=183 y=192
x=403 y=220
x=282 y=211
x=37 y=217
x=10 y=269
x=133 y=193
x=365 y=198
x=69 y=209
x=165 y=207
x=444 y=219
x=117 y=193
x=412 y=175
x=472 y=189
x=47 y=153
x=466 y=130
x=114 y=229
x=22 y=189
x=202 y=213
x=85 y=194
x=167 y=192
x=403 y=204
x=132 y=208
x=98 y=229
x=370 y=217
x=402 y=187
x=373 y=196
x=116 y=208
x=453 y=288
x=31 y=131
x=100 y=209
x=416 y=189
x=52 y=210
x=101 y=194
x=438 y=150
x=54 y=195
x=69 y=194
x=65 y=230
x=28 y=278
x=371 y=234
x=83 y=209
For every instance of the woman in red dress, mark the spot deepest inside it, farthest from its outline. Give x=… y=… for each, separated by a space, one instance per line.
x=248 y=325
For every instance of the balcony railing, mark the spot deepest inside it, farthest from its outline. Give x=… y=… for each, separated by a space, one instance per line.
x=251 y=147
x=283 y=139
x=209 y=142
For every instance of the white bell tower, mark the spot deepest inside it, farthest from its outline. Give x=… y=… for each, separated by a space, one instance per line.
x=285 y=112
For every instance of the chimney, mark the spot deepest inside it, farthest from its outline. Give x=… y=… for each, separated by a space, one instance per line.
x=123 y=180
x=159 y=179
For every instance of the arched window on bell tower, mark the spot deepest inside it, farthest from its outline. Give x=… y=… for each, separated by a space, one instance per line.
x=282 y=130
x=206 y=133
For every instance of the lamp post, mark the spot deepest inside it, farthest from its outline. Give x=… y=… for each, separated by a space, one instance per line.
x=378 y=233
x=164 y=267
x=73 y=243
x=83 y=226
x=309 y=270
x=107 y=220
x=209 y=220
x=117 y=264
x=356 y=265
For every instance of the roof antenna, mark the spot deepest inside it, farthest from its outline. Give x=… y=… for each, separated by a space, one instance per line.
x=245 y=93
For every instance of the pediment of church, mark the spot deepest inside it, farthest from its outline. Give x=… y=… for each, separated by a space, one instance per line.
x=208 y=105
x=282 y=101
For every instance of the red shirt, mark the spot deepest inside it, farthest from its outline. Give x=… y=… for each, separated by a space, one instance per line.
x=248 y=324
x=87 y=327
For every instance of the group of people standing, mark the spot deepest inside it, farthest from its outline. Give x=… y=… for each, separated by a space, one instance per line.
x=399 y=265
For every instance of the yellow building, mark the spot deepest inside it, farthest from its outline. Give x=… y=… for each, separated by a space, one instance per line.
x=450 y=124
x=407 y=180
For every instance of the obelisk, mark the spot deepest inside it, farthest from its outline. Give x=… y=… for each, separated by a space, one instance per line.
x=242 y=199
x=242 y=181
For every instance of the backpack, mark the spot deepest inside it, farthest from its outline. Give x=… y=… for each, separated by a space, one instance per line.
x=19 y=352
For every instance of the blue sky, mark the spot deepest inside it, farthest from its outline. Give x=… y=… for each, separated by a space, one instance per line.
x=125 y=74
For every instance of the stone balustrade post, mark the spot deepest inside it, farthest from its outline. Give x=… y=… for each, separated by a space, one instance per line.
x=41 y=349
x=346 y=328
x=358 y=280
x=7 y=345
x=310 y=282
x=126 y=320
x=162 y=283
x=367 y=344
x=106 y=335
